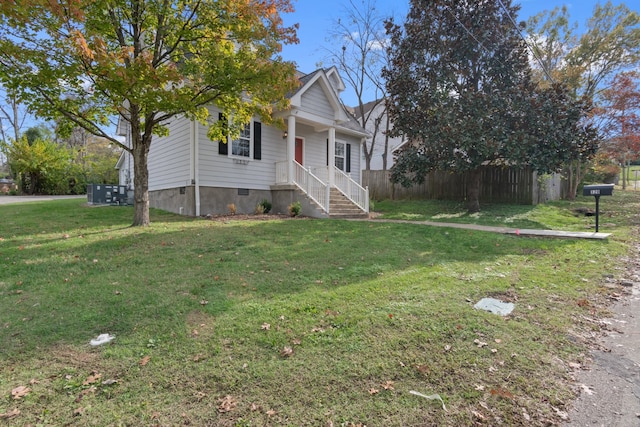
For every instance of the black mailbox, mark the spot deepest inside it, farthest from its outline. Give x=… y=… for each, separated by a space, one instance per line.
x=597 y=191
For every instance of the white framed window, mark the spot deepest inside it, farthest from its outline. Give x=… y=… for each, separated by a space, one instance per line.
x=340 y=154
x=241 y=146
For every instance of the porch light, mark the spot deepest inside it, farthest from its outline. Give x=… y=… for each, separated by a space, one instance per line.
x=285 y=135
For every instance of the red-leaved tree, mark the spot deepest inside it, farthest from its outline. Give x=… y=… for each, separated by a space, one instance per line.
x=620 y=112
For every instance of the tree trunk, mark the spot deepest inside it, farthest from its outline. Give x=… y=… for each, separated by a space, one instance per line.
x=367 y=156
x=473 y=190
x=140 y=153
x=574 y=178
x=386 y=144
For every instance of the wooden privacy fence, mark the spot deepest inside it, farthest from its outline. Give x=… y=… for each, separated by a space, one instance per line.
x=497 y=185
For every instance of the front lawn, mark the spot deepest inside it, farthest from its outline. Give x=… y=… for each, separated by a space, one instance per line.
x=295 y=321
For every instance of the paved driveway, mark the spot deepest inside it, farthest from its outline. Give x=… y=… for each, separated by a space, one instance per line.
x=5 y=200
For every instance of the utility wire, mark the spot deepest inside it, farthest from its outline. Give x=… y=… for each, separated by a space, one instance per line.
x=524 y=39
x=471 y=34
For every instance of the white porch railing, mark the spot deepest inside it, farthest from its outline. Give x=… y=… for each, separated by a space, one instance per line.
x=315 y=188
x=315 y=184
x=354 y=191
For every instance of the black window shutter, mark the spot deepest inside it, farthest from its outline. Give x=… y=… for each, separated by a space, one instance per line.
x=348 y=159
x=257 y=140
x=223 y=146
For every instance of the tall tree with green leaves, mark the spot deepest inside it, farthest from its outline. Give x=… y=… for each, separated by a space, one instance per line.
x=610 y=44
x=84 y=62
x=461 y=91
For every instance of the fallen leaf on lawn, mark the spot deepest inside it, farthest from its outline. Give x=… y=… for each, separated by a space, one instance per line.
x=254 y=407
x=317 y=329
x=423 y=369
x=573 y=365
x=281 y=317
x=227 y=404
x=480 y=343
x=271 y=412
x=500 y=392
x=145 y=360
x=525 y=415
x=478 y=415
x=34 y=381
x=78 y=411
x=11 y=414
x=388 y=385
x=265 y=327
x=109 y=382
x=494 y=350
x=286 y=352
x=85 y=392
x=204 y=302
x=94 y=377
x=447 y=347
x=297 y=341
x=20 y=392
x=583 y=303
x=498 y=340
x=373 y=391
x=562 y=414
x=479 y=387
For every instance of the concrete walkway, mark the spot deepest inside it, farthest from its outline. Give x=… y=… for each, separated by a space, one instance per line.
x=506 y=230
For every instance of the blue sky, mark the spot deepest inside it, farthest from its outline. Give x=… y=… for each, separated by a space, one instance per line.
x=316 y=18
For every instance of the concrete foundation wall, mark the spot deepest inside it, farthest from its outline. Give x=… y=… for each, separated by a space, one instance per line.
x=215 y=201
x=179 y=200
x=284 y=195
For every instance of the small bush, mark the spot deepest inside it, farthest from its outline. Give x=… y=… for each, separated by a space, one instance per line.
x=266 y=205
x=294 y=208
x=259 y=209
x=603 y=169
x=231 y=207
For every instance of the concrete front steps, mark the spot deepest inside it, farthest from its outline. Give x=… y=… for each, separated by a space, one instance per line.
x=341 y=207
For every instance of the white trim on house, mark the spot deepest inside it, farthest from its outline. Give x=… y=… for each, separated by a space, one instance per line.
x=190 y=174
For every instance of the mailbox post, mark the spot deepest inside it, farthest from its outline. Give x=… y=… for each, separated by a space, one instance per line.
x=597 y=191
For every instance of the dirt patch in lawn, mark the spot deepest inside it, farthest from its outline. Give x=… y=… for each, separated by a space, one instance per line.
x=200 y=325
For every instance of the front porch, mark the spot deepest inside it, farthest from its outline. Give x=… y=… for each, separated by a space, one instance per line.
x=330 y=190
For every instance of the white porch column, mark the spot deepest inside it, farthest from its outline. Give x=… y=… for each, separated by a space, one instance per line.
x=291 y=146
x=332 y=156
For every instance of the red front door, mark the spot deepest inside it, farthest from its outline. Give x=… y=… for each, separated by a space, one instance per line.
x=299 y=150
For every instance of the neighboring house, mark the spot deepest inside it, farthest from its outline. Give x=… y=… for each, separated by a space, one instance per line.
x=378 y=124
x=192 y=175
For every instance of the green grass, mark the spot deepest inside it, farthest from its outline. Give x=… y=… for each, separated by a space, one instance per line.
x=203 y=310
x=560 y=215
x=633 y=172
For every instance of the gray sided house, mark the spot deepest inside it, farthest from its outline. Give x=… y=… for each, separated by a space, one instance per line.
x=314 y=161
x=378 y=123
